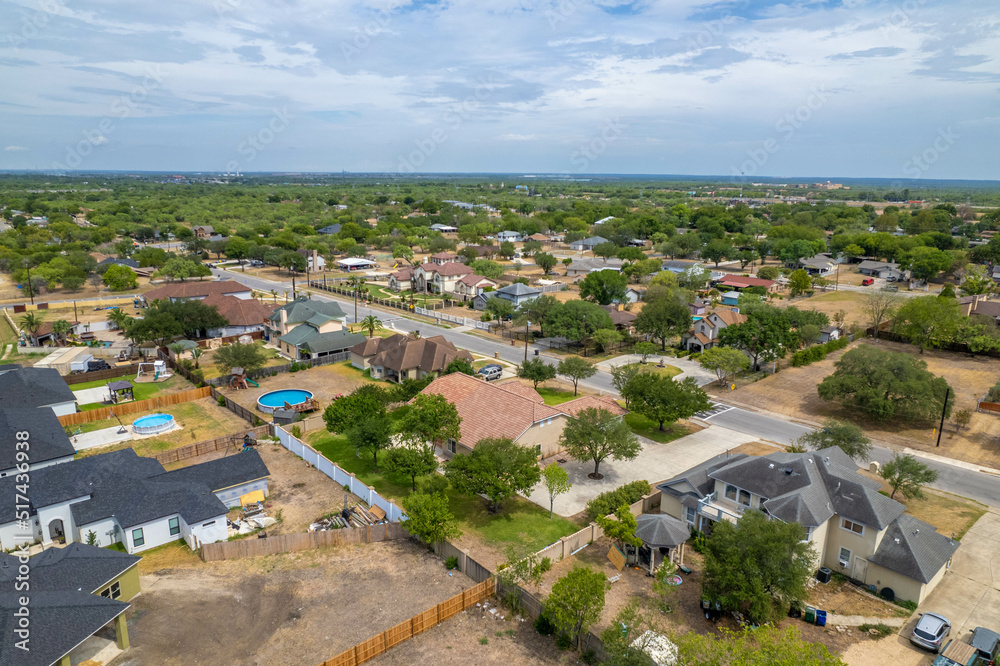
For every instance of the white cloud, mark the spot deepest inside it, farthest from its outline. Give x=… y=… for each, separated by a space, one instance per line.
x=14 y=149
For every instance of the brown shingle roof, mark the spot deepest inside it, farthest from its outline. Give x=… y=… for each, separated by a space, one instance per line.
x=487 y=410
x=620 y=317
x=447 y=269
x=574 y=407
x=373 y=346
x=427 y=354
x=403 y=274
x=730 y=318
x=239 y=311
x=473 y=279
x=195 y=290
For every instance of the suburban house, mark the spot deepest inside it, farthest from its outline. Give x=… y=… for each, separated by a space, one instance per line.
x=857 y=532
x=104 y=260
x=980 y=305
x=484 y=250
x=705 y=332
x=203 y=230
x=245 y=315
x=738 y=282
x=586 y=265
x=819 y=265
x=442 y=258
x=45 y=334
x=314 y=260
x=512 y=236
x=325 y=315
x=47 y=440
x=401 y=280
x=356 y=264
x=513 y=410
x=307 y=342
x=443 y=228
x=77 y=592
x=587 y=243
x=439 y=278
x=330 y=230
x=120 y=497
x=36 y=388
x=882 y=269
x=196 y=291
x=633 y=295
x=473 y=285
x=308 y=329
x=517 y=293
x=828 y=333
x=401 y=357
x=622 y=318
x=541 y=238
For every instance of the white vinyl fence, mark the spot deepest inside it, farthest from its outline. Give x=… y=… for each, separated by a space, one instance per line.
x=462 y=321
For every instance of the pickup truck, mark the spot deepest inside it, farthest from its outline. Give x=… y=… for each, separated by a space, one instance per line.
x=983 y=651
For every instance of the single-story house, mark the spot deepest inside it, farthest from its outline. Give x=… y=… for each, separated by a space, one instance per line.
x=882 y=269
x=45 y=334
x=513 y=410
x=979 y=305
x=443 y=228
x=49 y=444
x=512 y=236
x=828 y=333
x=104 y=260
x=245 y=315
x=738 y=282
x=483 y=250
x=587 y=265
x=587 y=243
x=633 y=295
x=76 y=593
x=820 y=265
x=307 y=342
x=196 y=291
x=856 y=531
x=731 y=298
x=37 y=387
x=622 y=318
x=356 y=264
x=325 y=316
x=541 y=238
x=120 y=497
x=401 y=357
x=330 y=230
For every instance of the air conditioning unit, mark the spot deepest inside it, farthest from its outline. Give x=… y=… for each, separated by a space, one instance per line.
x=843 y=564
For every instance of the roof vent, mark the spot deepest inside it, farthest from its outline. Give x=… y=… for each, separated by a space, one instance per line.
x=916 y=531
x=838 y=487
x=896 y=539
x=810 y=460
x=827 y=460
x=771 y=466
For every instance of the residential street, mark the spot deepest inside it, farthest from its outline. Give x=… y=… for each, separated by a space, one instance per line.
x=953 y=476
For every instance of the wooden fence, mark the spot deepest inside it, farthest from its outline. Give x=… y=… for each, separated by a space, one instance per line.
x=376 y=645
x=290 y=543
x=235 y=407
x=133 y=407
x=211 y=445
x=985 y=405
x=102 y=374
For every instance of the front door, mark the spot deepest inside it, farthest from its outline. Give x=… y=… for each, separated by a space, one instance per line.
x=860 y=569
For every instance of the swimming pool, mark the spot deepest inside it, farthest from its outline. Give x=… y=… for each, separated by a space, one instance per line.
x=277 y=399
x=153 y=423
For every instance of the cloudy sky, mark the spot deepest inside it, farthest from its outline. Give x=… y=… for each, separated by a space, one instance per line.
x=825 y=88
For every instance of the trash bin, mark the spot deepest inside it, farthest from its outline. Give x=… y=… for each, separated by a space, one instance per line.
x=821 y=618
x=810 y=614
x=824 y=575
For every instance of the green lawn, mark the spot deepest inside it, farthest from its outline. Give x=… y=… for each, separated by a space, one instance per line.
x=667 y=370
x=554 y=396
x=649 y=429
x=139 y=391
x=521 y=522
x=207 y=365
x=7 y=336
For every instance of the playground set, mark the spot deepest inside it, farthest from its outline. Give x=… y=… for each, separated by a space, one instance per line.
x=156 y=371
x=238 y=379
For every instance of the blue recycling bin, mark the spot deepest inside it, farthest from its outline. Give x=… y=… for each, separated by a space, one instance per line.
x=820 y=618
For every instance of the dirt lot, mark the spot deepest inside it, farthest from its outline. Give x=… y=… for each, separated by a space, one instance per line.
x=294 y=609
x=845 y=599
x=792 y=392
x=325 y=381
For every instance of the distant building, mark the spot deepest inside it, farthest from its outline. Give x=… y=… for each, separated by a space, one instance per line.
x=587 y=243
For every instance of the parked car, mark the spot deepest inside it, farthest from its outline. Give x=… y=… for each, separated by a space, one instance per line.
x=987 y=644
x=256 y=263
x=491 y=371
x=930 y=632
x=867 y=282
x=956 y=653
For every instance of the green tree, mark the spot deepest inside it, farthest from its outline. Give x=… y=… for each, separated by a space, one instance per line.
x=961 y=418
x=605 y=250
x=577 y=320
x=885 y=385
x=621 y=527
x=556 y=481
x=497 y=468
x=907 y=475
x=768 y=272
x=156 y=326
x=120 y=278
x=757 y=566
x=119 y=319
x=239 y=249
x=848 y=437
x=753 y=646
x=371 y=434
x=371 y=323
x=538 y=311
x=460 y=365
x=622 y=375
x=249 y=357
x=765 y=336
x=597 y=434
x=799 y=282
x=545 y=261
x=644 y=350
x=928 y=321
x=431 y=418
x=661 y=399
x=536 y=370
x=663 y=318
x=499 y=309
x=926 y=262
x=977 y=281
x=604 y=287
x=605 y=338
x=429 y=518
x=577 y=600
x=725 y=362
x=663 y=583
x=879 y=306
x=575 y=368
x=411 y=459
x=716 y=250
x=632 y=635
x=487 y=268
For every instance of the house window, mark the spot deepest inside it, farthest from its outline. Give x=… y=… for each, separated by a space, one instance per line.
x=731 y=492
x=845 y=557
x=452 y=445
x=744 y=498
x=113 y=592
x=851 y=526
x=137 y=538
x=175 y=526
x=690 y=514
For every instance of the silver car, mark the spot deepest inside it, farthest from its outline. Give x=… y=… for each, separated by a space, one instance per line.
x=930 y=632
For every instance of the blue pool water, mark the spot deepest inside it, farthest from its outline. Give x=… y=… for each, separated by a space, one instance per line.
x=152 y=423
x=279 y=398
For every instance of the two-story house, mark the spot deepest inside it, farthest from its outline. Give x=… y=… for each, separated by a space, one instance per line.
x=704 y=334
x=401 y=280
x=856 y=531
x=439 y=278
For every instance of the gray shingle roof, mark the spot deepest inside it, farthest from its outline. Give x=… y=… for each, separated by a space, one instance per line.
x=47 y=439
x=33 y=387
x=660 y=529
x=518 y=289
x=77 y=566
x=697 y=476
x=920 y=552
x=303 y=309
x=221 y=472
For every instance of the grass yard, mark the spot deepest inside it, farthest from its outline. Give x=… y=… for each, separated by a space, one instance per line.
x=554 y=396
x=7 y=335
x=521 y=522
x=948 y=513
x=667 y=370
x=650 y=429
x=207 y=363
x=144 y=391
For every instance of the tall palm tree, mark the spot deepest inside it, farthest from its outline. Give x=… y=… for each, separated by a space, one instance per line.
x=196 y=353
x=31 y=322
x=61 y=328
x=370 y=323
x=119 y=318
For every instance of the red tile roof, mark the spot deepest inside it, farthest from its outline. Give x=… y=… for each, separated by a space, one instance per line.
x=744 y=281
x=574 y=407
x=240 y=311
x=447 y=269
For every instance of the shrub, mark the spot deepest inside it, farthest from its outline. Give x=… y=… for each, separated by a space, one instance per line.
x=881 y=630
x=993 y=395
x=608 y=502
x=544 y=626
x=545 y=565
x=564 y=642
x=694 y=356
x=590 y=657
x=905 y=603
x=222 y=401
x=296 y=432
x=294 y=368
x=451 y=563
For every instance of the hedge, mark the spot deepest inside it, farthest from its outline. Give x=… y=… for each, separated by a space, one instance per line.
x=817 y=352
x=608 y=502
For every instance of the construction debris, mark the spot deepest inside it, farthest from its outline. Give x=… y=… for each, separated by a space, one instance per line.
x=355 y=516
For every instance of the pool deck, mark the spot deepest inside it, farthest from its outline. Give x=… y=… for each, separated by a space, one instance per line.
x=109 y=436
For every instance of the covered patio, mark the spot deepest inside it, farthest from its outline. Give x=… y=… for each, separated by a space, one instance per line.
x=663 y=537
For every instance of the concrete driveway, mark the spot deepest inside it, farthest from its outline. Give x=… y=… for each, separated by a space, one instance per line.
x=657 y=462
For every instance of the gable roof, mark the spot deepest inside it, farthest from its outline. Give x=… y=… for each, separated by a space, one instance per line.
x=728 y=317
x=221 y=473
x=817 y=261
x=574 y=407
x=619 y=317
x=240 y=311
x=869 y=265
x=452 y=268
x=305 y=309
x=196 y=290
x=34 y=387
x=427 y=354
x=518 y=289
x=403 y=274
x=920 y=552
x=591 y=242
x=697 y=477
x=76 y=566
x=48 y=439
x=472 y=279
x=487 y=410
x=595 y=264
x=742 y=281
x=330 y=229
x=371 y=346
x=309 y=338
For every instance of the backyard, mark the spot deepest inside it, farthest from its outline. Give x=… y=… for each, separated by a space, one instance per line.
x=140 y=391
x=325 y=381
x=207 y=361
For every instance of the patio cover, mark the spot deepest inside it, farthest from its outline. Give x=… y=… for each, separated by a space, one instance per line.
x=661 y=530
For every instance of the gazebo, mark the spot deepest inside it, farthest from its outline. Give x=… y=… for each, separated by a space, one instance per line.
x=121 y=391
x=663 y=533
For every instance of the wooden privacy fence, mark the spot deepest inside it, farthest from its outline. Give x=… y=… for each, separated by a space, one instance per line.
x=985 y=405
x=235 y=407
x=290 y=543
x=376 y=645
x=101 y=374
x=133 y=407
x=210 y=445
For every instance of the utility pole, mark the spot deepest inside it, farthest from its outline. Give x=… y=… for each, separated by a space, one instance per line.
x=943 y=410
x=526 y=325
x=31 y=290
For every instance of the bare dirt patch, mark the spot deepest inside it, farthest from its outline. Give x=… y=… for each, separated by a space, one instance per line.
x=757 y=449
x=326 y=382
x=845 y=599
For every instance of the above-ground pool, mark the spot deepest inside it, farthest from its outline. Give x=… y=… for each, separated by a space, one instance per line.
x=277 y=399
x=153 y=423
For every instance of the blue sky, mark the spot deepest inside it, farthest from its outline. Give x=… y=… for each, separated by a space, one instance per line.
x=851 y=88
